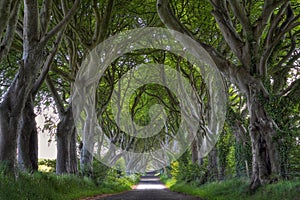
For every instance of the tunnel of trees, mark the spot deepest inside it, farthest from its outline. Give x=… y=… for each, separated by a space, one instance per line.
x=254 y=44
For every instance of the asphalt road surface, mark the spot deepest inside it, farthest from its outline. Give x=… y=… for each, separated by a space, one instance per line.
x=149 y=188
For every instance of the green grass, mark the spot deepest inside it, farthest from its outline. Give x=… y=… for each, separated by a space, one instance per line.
x=45 y=186
x=237 y=189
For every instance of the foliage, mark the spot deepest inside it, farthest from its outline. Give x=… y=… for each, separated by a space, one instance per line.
x=4 y=171
x=285 y=112
x=47 y=165
x=225 y=151
x=188 y=171
x=100 y=172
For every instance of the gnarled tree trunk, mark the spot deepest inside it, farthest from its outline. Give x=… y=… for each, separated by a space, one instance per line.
x=265 y=157
x=28 y=139
x=66 y=144
x=8 y=135
x=13 y=105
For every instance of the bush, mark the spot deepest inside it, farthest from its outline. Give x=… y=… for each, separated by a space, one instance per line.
x=47 y=165
x=188 y=172
x=100 y=172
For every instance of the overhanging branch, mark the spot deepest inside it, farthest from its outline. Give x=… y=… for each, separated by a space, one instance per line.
x=236 y=74
x=10 y=30
x=62 y=23
x=230 y=35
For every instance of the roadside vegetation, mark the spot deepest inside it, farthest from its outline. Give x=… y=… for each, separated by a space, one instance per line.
x=47 y=185
x=236 y=189
x=232 y=179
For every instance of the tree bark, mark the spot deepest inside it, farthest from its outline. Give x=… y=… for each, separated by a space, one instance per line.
x=197 y=154
x=213 y=170
x=73 y=153
x=66 y=144
x=28 y=139
x=265 y=157
x=194 y=152
x=8 y=130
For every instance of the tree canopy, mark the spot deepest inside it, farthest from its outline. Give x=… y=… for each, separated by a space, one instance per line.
x=253 y=44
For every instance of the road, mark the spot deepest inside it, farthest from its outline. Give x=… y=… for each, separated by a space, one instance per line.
x=149 y=188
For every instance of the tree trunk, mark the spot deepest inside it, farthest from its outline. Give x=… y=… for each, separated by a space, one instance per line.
x=8 y=136
x=73 y=153
x=194 y=151
x=86 y=161
x=66 y=144
x=213 y=172
x=265 y=157
x=197 y=154
x=63 y=151
x=87 y=146
x=12 y=107
x=28 y=139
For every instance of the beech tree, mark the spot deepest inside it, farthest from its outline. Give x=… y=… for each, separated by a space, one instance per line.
x=89 y=27
x=253 y=32
x=36 y=35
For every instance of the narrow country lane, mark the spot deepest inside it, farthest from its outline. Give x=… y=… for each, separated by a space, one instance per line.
x=149 y=188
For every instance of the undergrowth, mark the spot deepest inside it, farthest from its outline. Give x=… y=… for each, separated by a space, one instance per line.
x=43 y=186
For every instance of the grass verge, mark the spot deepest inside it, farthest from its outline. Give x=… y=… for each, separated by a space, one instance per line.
x=50 y=186
x=237 y=189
